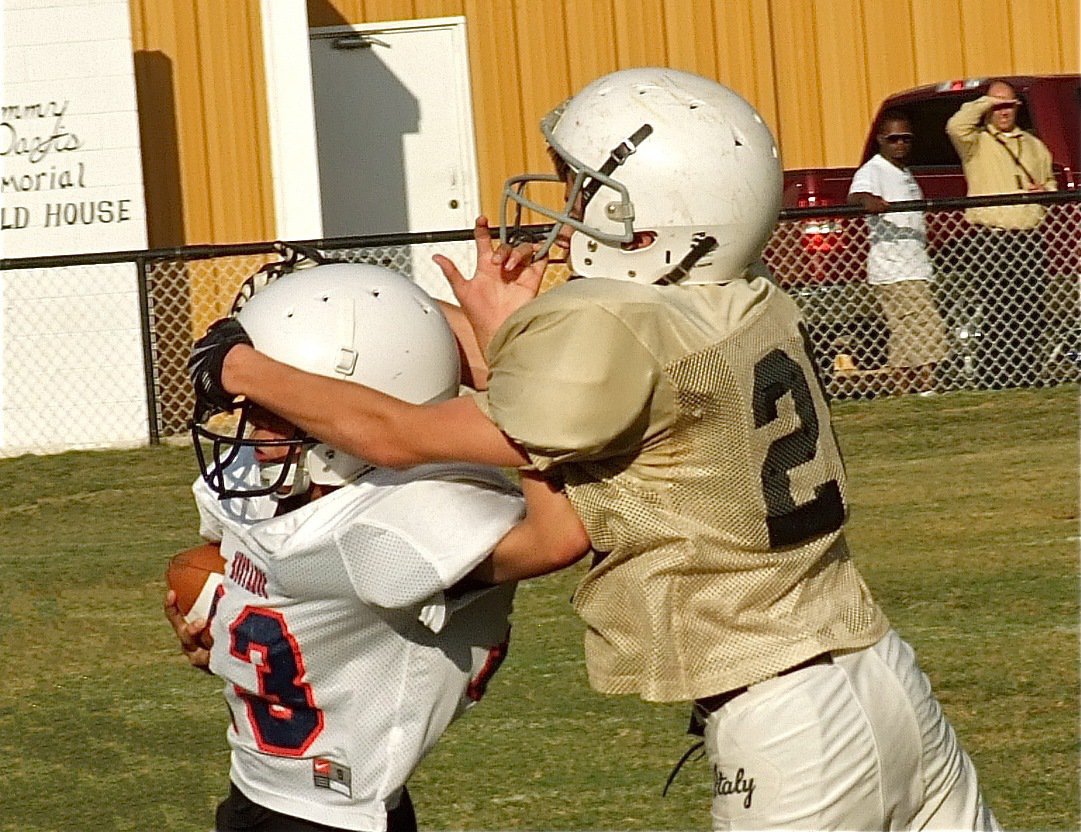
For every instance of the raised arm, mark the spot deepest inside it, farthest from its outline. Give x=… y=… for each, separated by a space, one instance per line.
x=505 y=280
x=474 y=364
x=963 y=127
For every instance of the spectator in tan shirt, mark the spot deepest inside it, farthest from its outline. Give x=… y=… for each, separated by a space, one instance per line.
x=998 y=157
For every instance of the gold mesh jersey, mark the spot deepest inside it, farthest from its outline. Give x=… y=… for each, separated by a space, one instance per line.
x=695 y=442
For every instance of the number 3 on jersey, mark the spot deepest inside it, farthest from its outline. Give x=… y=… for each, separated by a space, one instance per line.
x=787 y=523
x=282 y=714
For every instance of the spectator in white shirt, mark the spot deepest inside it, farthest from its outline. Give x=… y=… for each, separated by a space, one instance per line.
x=898 y=267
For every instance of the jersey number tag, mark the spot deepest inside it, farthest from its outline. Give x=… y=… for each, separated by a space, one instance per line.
x=282 y=714
x=787 y=523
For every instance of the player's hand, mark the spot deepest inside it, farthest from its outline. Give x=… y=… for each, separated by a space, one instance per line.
x=507 y=278
x=205 y=365
x=195 y=639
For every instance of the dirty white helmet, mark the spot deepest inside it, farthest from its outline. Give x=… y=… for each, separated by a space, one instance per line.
x=662 y=151
x=357 y=322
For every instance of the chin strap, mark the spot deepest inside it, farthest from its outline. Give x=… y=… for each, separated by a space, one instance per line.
x=683 y=267
x=291 y=475
x=617 y=157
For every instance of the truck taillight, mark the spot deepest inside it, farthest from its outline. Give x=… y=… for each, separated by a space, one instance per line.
x=820 y=236
x=959 y=84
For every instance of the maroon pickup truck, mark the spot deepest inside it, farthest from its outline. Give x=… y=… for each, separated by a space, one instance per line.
x=1051 y=111
x=820 y=259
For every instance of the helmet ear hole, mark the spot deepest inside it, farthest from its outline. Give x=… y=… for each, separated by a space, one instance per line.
x=640 y=241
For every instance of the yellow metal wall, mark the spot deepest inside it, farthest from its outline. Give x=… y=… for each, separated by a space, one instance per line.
x=835 y=60
x=815 y=69
x=202 y=103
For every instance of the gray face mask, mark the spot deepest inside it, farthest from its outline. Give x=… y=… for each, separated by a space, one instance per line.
x=586 y=183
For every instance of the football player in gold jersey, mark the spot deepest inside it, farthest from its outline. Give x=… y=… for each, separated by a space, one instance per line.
x=672 y=394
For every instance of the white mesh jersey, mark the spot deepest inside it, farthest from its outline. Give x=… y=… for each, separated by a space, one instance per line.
x=344 y=659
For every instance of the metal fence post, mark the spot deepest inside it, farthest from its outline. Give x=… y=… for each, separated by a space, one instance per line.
x=149 y=365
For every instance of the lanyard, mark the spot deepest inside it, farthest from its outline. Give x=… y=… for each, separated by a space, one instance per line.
x=1015 y=157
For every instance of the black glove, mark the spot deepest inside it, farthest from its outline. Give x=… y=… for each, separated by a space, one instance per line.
x=204 y=366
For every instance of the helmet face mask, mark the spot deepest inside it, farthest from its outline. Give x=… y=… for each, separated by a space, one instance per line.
x=657 y=162
x=354 y=322
x=582 y=184
x=216 y=452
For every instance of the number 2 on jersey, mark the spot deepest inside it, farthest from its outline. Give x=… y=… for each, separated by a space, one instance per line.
x=282 y=715
x=787 y=523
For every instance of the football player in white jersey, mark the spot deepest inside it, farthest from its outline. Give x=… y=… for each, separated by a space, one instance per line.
x=346 y=630
x=673 y=393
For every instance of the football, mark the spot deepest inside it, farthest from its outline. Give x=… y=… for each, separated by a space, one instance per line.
x=194 y=575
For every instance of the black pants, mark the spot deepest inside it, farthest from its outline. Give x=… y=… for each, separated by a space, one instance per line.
x=239 y=814
x=1011 y=282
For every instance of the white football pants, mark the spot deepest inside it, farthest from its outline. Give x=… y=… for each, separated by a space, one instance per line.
x=858 y=744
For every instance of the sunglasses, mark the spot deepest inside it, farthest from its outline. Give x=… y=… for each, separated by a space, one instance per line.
x=893 y=138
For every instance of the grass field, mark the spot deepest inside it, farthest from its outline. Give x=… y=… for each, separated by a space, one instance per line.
x=964 y=520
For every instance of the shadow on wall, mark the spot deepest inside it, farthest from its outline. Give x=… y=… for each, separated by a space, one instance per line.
x=160 y=149
x=172 y=318
x=363 y=112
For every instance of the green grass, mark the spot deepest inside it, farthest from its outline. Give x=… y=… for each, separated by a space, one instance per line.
x=964 y=521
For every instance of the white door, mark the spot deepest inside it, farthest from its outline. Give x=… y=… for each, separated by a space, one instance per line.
x=394 y=127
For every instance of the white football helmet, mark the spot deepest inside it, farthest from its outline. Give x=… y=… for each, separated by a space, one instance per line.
x=662 y=151
x=358 y=322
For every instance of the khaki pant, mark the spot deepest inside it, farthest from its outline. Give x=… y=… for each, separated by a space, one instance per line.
x=917 y=333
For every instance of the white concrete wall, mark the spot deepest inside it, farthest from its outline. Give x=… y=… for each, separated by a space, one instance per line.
x=71 y=355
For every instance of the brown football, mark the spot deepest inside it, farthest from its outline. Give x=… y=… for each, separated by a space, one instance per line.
x=194 y=575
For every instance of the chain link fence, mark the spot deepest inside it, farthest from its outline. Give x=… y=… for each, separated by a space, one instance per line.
x=1003 y=304
x=1004 y=311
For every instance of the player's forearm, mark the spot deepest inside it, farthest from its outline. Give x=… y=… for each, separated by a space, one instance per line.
x=350 y=417
x=867 y=201
x=550 y=538
x=366 y=423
